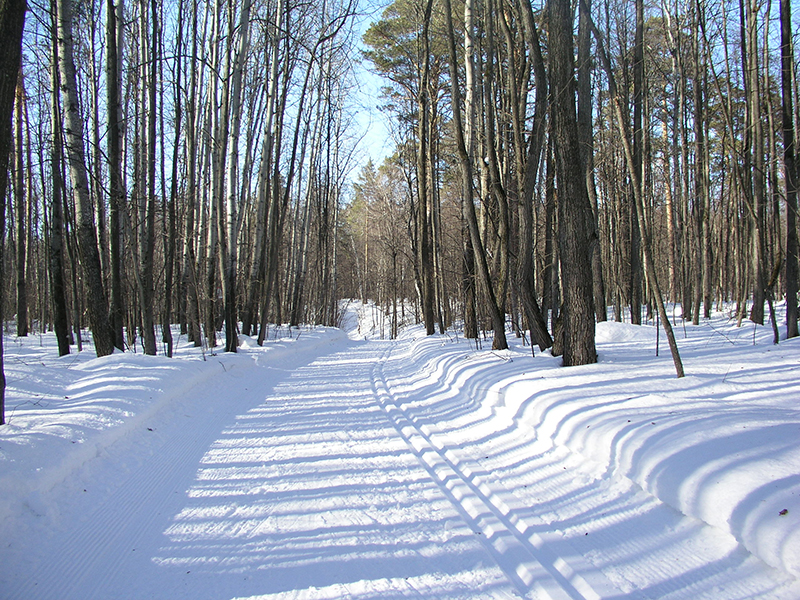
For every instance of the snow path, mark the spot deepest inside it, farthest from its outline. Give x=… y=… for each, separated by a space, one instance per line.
x=520 y=552
x=405 y=469
x=262 y=483
x=591 y=533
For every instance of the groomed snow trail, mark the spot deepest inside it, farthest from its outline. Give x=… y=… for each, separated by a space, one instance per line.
x=267 y=483
x=368 y=470
x=486 y=506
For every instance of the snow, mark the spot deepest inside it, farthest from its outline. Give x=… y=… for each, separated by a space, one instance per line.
x=336 y=464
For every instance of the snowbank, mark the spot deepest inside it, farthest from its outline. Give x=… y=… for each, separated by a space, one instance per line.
x=63 y=412
x=721 y=445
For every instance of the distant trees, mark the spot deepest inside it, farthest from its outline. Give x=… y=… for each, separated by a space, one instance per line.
x=686 y=207
x=197 y=181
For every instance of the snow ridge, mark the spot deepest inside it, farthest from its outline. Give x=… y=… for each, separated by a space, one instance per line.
x=328 y=467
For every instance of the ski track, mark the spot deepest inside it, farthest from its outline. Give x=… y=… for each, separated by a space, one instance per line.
x=366 y=473
x=522 y=553
x=592 y=537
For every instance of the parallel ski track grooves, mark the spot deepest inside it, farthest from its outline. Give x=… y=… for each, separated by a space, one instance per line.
x=492 y=512
x=117 y=525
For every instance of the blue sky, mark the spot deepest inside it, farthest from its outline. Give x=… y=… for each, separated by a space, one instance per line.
x=377 y=140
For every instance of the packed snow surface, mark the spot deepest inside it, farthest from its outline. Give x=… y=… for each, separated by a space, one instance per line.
x=332 y=464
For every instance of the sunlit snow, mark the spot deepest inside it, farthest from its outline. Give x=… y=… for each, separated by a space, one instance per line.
x=338 y=464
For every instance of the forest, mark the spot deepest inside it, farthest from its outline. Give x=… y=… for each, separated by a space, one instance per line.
x=198 y=165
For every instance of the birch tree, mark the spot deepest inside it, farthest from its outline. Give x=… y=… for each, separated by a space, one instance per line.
x=87 y=237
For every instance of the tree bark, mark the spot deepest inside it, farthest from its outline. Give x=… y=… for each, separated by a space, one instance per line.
x=622 y=128
x=170 y=230
x=576 y=231
x=116 y=185
x=638 y=163
x=148 y=240
x=790 y=168
x=12 y=22
x=20 y=210
x=87 y=237
x=498 y=321
x=424 y=212
x=754 y=157
x=586 y=133
x=56 y=238
x=529 y=169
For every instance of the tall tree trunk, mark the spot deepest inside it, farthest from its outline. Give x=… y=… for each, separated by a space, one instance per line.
x=256 y=280
x=87 y=238
x=550 y=273
x=529 y=169
x=56 y=238
x=146 y=185
x=229 y=212
x=638 y=163
x=576 y=231
x=496 y=188
x=468 y=253
x=790 y=168
x=424 y=212
x=622 y=128
x=498 y=320
x=701 y=193
x=754 y=147
x=22 y=226
x=586 y=133
x=190 y=263
x=12 y=21
x=116 y=185
x=170 y=230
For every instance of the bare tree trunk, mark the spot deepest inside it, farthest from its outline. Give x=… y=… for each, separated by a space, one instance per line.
x=20 y=206
x=12 y=21
x=256 y=282
x=116 y=186
x=170 y=235
x=529 y=169
x=468 y=253
x=496 y=188
x=423 y=180
x=147 y=188
x=638 y=164
x=87 y=238
x=754 y=148
x=190 y=263
x=228 y=210
x=550 y=275
x=576 y=231
x=701 y=193
x=622 y=127
x=586 y=133
x=56 y=239
x=498 y=320
x=790 y=168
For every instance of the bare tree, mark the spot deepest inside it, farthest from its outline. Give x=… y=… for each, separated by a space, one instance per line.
x=86 y=234
x=498 y=320
x=12 y=22
x=623 y=130
x=576 y=230
x=20 y=204
x=790 y=168
x=56 y=249
x=116 y=186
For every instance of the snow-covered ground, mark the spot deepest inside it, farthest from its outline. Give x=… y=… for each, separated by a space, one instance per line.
x=333 y=464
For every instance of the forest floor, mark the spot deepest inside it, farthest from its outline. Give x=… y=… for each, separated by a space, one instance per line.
x=329 y=464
